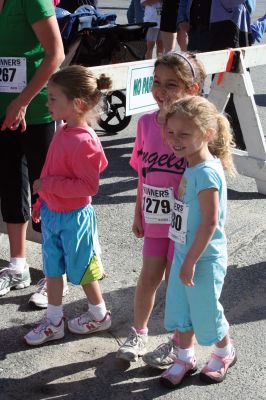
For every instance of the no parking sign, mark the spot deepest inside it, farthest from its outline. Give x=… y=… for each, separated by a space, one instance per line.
x=139 y=83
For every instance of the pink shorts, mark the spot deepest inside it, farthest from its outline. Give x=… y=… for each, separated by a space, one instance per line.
x=159 y=247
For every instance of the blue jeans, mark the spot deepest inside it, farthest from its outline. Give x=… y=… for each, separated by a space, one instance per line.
x=135 y=12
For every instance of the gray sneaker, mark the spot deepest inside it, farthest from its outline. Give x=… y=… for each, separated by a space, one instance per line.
x=10 y=280
x=134 y=346
x=163 y=356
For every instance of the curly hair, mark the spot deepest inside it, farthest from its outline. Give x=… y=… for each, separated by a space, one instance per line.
x=205 y=115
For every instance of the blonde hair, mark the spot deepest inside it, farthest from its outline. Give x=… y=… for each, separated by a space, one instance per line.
x=205 y=116
x=78 y=82
x=186 y=66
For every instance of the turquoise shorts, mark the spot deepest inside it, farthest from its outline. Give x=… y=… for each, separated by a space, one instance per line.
x=197 y=308
x=70 y=244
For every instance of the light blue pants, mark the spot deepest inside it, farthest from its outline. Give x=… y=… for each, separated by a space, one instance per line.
x=197 y=308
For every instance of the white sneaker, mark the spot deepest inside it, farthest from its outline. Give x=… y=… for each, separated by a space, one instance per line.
x=85 y=324
x=163 y=356
x=44 y=332
x=134 y=346
x=39 y=298
x=10 y=280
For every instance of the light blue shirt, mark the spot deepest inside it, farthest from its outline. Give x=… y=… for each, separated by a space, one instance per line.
x=206 y=175
x=237 y=11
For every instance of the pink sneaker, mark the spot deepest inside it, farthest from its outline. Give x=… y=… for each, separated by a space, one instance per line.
x=171 y=378
x=209 y=376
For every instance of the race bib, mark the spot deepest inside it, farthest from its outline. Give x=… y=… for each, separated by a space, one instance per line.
x=13 y=74
x=178 y=225
x=157 y=204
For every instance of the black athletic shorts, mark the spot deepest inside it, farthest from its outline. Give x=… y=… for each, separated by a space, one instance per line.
x=169 y=16
x=22 y=156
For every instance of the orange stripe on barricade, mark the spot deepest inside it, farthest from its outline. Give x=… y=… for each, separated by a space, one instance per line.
x=228 y=67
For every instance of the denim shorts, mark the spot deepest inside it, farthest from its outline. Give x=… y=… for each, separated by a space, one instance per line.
x=70 y=244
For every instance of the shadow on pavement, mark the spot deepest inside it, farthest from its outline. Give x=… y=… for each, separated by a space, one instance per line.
x=110 y=381
x=235 y=195
x=260 y=99
x=242 y=298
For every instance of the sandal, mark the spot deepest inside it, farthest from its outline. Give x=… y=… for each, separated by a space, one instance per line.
x=170 y=378
x=209 y=376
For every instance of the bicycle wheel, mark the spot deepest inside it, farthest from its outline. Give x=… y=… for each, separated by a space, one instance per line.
x=114 y=119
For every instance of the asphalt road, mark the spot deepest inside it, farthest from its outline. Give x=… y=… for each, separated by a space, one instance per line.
x=79 y=368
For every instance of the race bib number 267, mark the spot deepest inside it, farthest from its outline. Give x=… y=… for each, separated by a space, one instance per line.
x=13 y=74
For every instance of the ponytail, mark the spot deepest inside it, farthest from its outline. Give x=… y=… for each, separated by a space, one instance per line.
x=222 y=144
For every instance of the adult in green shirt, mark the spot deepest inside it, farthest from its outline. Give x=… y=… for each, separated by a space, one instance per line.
x=31 y=51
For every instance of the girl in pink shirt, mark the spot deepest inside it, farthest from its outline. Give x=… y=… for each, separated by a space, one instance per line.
x=159 y=172
x=69 y=179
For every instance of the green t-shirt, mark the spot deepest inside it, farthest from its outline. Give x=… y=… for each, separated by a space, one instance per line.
x=17 y=39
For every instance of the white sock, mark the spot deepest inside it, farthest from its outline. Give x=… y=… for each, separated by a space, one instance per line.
x=55 y=313
x=185 y=355
x=215 y=365
x=17 y=264
x=98 y=311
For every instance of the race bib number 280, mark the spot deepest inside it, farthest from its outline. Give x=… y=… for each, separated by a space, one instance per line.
x=178 y=225
x=157 y=204
x=13 y=74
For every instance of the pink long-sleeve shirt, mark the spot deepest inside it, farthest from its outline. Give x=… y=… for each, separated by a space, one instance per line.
x=70 y=175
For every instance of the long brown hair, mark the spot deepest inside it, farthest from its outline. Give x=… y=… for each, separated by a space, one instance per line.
x=186 y=66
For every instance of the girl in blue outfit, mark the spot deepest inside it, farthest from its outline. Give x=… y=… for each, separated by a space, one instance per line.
x=200 y=134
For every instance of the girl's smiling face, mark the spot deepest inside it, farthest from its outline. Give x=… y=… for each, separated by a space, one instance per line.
x=167 y=87
x=187 y=140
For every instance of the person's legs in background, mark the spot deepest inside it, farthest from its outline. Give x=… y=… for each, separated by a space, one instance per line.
x=159 y=48
x=15 y=209
x=199 y=40
x=152 y=38
x=182 y=39
x=168 y=26
x=131 y=13
x=135 y=12
x=139 y=11
x=150 y=47
x=169 y=41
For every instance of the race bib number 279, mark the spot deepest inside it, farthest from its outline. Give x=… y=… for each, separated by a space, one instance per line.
x=157 y=204
x=13 y=74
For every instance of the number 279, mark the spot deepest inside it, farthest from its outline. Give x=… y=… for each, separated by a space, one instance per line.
x=152 y=205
